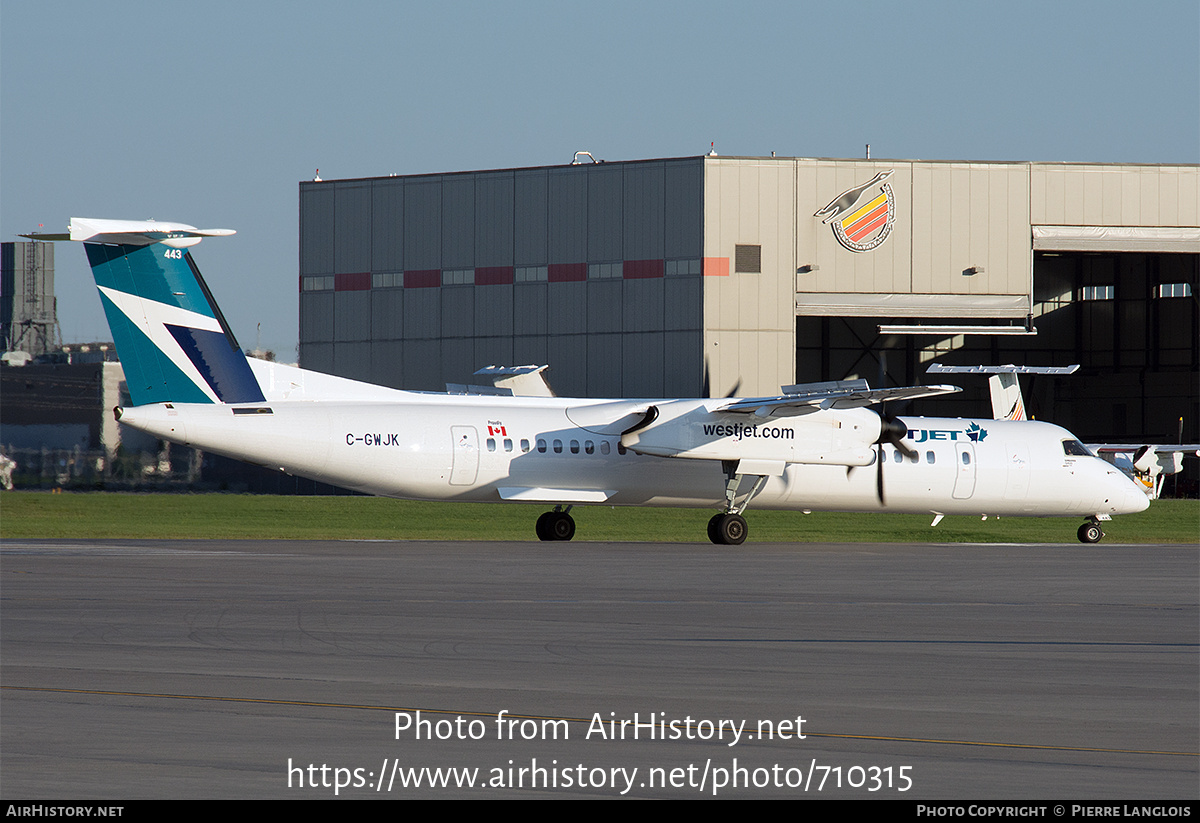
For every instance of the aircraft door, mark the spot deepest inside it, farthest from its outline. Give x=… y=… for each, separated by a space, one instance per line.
x=1018 y=471
x=465 y=465
x=964 y=466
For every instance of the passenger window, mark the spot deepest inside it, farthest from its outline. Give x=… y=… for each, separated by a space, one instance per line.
x=558 y=447
x=621 y=449
x=966 y=458
x=507 y=444
x=574 y=447
x=525 y=446
x=604 y=447
x=491 y=444
x=589 y=447
x=897 y=457
x=541 y=445
x=930 y=458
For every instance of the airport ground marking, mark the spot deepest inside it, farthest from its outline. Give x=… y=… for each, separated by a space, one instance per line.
x=583 y=721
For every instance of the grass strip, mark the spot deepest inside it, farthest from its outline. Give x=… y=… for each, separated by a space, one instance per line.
x=27 y=514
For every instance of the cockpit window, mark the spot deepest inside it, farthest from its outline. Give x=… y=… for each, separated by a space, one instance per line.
x=1075 y=448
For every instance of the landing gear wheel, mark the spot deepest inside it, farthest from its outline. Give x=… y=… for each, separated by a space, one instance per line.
x=562 y=526
x=727 y=529
x=712 y=528
x=1090 y=533
x=555 y=526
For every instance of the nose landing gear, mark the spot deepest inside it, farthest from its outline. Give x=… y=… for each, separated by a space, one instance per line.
x=1090 y=532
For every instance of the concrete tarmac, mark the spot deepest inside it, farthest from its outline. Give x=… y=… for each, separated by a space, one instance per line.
x=273 y=669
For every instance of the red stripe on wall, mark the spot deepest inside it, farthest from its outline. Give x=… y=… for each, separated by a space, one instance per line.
x=352 y=281
x=493 y=275
x=641 y=269
x=716 y=266
x=423 y=279
x=567 y=272
x=869 y=219
x=863 y=231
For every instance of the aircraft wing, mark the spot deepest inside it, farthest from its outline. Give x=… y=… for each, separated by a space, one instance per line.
x=852 y=397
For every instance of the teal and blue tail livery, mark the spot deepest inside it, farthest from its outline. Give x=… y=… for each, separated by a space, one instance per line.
x=174 y=344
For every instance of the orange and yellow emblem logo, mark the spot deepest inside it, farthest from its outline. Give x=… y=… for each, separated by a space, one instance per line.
x=862 y=217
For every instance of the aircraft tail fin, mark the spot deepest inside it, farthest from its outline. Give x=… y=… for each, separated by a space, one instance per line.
x=171 y=337
x=1007 y=401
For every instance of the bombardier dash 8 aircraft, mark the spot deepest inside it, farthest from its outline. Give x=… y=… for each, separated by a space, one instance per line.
x=813 y=447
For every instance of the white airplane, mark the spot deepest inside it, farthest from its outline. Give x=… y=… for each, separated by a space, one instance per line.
x=1146 y=464
x=807 y=449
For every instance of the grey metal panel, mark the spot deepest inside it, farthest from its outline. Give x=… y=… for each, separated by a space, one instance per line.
x=387 y=224
x=566 y=354
x=493 y=351
x=352 y=360
x=567 y=308
x=423 y=223
x=316 y=317
x=643 y=305
x=387 y=363
x=351 y=315
x=530 y=220
x=422 y=315
x=352 y=230
x=529 y=308
x=683 y=209
x=643 y=365
x=317 y=357
x=494 y=219
x=644 y=210
x=683 y=364
x=423 y=365
x=605 y=206
x=604 y=305
x=458 y=311
x=387 y=314
x=568 y=207
x=683 y=303
x=494 y=310
x=604 y=365
x=458 y=221
x=316 y=228
x=458 y=361
x=532 y=349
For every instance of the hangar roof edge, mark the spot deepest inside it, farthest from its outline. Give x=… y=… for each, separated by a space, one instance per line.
x=719 y=158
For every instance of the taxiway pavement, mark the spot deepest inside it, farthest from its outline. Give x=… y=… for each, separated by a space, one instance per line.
x=256 y=669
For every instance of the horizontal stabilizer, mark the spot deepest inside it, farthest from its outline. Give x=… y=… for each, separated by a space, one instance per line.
x=133 y=232
x=938 y=368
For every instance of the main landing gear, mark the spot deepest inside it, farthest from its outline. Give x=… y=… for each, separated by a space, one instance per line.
x=728 y=528
x=1090 y=532
x=556 y=525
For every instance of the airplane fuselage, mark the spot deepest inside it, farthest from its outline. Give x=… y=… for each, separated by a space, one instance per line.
x=814 y=446
x=570 y=451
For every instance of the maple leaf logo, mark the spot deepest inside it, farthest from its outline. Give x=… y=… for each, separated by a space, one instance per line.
x=976 y=433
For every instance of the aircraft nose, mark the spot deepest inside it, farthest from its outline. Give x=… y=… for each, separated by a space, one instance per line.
x=1135 y=501
x=1127 y=496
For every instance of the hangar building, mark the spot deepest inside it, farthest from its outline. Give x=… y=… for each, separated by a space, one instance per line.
x=671 y=277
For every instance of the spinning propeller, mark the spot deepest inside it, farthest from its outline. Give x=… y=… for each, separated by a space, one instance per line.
x=891 y=430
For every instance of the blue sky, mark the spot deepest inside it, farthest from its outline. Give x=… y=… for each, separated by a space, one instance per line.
x=210 y=113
